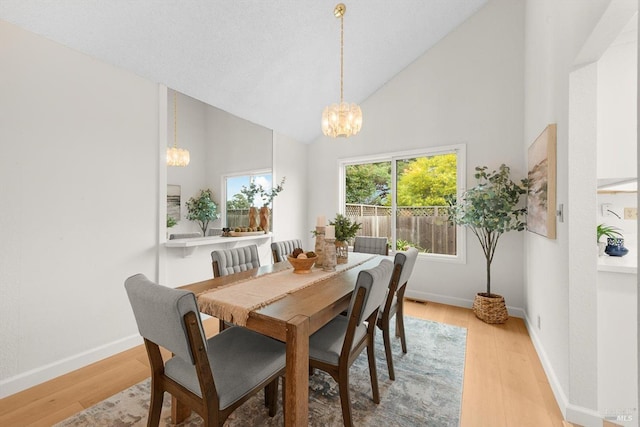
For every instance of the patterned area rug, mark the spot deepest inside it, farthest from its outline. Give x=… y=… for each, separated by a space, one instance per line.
x=427 y=390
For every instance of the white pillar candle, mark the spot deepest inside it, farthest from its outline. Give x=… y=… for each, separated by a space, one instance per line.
x=321 y=221
x=330 y=232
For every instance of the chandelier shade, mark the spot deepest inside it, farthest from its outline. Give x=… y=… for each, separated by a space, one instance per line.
x=343 y=119
x=176 y=156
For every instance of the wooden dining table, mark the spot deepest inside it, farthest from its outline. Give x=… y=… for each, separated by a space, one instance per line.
x=292 y=319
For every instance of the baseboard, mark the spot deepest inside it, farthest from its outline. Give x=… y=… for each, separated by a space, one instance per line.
x=575 y=414
x=34 y=377
x=454 y=301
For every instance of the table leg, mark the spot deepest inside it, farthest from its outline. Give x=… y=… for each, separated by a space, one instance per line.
x=297 y=376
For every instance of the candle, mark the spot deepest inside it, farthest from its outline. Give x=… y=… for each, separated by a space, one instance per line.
x=321 y=222
x=330 y=232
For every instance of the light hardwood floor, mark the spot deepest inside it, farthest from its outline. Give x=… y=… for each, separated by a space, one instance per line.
x=504 y=383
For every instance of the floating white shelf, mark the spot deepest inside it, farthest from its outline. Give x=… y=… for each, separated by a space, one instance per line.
x=189 y=246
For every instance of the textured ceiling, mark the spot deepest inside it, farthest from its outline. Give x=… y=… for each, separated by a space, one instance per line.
x=275 y=63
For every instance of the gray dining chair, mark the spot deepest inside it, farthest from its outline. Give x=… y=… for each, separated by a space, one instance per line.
x=394 y=304
x=210 y=376
x=281 y=249
x=184 y=235
x=335 y=346
x=230 y=261
x=371 y=245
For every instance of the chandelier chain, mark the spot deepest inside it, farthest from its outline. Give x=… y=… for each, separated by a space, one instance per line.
x=175 y=119
x=341 y=57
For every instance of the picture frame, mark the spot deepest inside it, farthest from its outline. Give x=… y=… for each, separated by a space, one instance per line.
x=173 y=201
x=541 y=197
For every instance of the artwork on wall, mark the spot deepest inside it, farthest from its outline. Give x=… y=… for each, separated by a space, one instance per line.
x=541 y=199
x=173 y=201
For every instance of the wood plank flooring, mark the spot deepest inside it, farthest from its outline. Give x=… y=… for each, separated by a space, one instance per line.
x=504 y=383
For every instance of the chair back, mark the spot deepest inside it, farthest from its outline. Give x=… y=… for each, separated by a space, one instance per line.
x=371 y=245
x=159 y=313
x=283 y=248
x=375 y=282
x=230 y=261
x=184 y=235
x=407 y=259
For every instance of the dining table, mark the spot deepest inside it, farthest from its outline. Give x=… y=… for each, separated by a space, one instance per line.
x=300 y=305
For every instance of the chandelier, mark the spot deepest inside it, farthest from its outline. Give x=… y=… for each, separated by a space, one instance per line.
x=342 y=119
x=176 y=156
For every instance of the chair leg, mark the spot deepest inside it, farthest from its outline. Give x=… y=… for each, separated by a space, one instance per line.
x=387 y=347
x=400 y=330
x=373 y=373
x=345 y=400
x=155 y=405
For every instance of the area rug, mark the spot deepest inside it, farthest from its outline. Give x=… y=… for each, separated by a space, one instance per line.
x=427 y=390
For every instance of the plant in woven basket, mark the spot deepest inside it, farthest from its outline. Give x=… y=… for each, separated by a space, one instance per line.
x=490 y=209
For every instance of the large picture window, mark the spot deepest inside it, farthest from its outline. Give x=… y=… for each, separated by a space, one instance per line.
x=237 y=199
x=405 y=197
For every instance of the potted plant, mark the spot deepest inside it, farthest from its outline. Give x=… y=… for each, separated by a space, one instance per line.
x=490 y=209
x=608 y=231
x=202 y=209
x=346 y=230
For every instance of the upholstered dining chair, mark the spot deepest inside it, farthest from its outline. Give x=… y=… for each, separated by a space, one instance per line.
x=335 y=346
x=394 y=304
x=281 y=249
x=230 y=261
x=210 y=376
x=371 y=245
x=184 y=235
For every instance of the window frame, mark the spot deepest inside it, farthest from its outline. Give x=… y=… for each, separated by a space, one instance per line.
x=393 y=157
x=250 y=174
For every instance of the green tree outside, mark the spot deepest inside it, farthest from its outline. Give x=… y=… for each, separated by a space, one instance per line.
x=427 y=181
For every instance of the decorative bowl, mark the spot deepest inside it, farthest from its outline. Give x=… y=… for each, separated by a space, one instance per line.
x=615 y=247
x=302 y=265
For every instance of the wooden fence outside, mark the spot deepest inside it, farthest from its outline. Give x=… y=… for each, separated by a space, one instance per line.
x=425 y=227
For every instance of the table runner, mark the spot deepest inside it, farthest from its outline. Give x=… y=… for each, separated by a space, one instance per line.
x=234 y=302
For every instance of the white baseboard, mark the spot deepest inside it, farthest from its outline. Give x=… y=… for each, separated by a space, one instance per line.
x=34 y=377
x=575 y=414
x=455 y=301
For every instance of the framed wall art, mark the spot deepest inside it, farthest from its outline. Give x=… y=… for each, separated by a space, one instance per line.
x=173 y=202
x=541 y=198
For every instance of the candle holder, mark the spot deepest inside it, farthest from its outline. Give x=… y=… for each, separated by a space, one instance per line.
x=330 y=261
x=319 y=249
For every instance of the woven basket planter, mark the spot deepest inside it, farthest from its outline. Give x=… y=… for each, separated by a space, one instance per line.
x=490 y=309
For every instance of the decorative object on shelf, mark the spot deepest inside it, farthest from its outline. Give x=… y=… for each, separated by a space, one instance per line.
x=171 y=221
x=176 y=156
x=256 y=192
x=490 y=209
x=608 y=231
x=615 y=247
x=541 y=198
x=345 y=230
x=330 y=258
x=264 y=214
x=344 y=119
x=202 y=209
x=319 y=247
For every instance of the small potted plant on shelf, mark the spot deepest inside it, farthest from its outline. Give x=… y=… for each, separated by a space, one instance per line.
x=345 y=230
x=610 y=232
x=202 y=209
x=490 y=209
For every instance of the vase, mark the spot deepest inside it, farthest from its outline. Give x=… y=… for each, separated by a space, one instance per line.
x=342 y=252
x=264 y=218
x=253 y=217
x=319 y=247
x=329 y=261
x=615 y=247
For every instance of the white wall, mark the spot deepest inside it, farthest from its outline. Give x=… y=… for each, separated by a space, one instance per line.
x=617 y=111
x=558 y=42
x=466 y=89
x=79 y=174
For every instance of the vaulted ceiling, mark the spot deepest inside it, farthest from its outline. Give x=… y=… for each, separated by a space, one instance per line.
x=275 y=63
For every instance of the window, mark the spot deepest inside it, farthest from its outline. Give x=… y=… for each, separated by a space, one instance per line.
x=237 y=193
x=404 y=197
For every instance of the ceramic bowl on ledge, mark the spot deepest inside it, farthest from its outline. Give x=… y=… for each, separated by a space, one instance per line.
x=615 y=247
